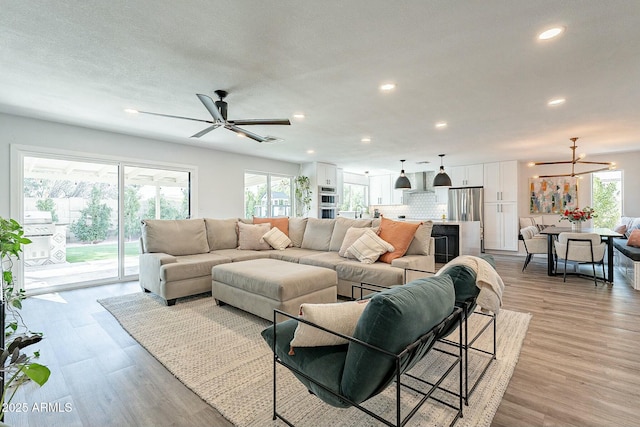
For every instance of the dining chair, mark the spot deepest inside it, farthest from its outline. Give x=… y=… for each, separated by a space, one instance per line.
x=534 y=243
x=583 y=248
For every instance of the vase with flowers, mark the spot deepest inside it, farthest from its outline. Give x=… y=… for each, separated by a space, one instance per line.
x=577 y=216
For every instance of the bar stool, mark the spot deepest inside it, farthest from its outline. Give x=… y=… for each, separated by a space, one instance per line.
x=446 y=247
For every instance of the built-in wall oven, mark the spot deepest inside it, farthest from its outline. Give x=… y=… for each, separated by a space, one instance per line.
x=327 y=202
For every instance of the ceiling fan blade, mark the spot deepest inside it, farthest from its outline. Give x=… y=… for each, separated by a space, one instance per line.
x=211 y=107
x=247 y=122
x=175 y=117
x=205 y=131
x=248 y=134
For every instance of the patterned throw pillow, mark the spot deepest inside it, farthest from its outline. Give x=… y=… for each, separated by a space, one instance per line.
x=276 y=239
x=339 y=317
x=350 y=237
x=368 y=248
x=634 y=238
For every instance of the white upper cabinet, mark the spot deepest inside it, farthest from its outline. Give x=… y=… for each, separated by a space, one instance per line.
x=467 y=176
x=381 y=191
x=501 y=182
x=321 y=174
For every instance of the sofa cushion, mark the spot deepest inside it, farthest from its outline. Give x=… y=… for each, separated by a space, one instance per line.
x=175 y=236
x=340 y=317
x=282 y=223
x=190 y=266
x=368 y=248
x=276 y=239
x=293 y=254
x=392 y=320
x=421 y=243
x=628 y=251
x=340 y=229
x=399 y=235
x=378 y=273
x=317 y=234
x=322 y=259
x=236 y=255
x=296 y=230
x=250 y=236
x=222 y=233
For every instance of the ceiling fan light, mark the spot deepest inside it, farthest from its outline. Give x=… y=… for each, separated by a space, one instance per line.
x=402 y=182
x=442 y=179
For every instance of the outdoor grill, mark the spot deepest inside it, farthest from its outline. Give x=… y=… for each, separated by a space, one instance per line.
x=39 y=228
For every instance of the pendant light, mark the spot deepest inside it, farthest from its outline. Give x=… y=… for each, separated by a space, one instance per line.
x=442 y=179
x=402 y=181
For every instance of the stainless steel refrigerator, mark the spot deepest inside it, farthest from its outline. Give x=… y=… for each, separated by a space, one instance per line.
x=467 y=204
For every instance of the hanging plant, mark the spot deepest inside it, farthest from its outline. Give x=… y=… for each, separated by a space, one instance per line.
x=303 y=195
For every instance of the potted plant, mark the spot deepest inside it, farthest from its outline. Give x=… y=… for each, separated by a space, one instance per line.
x=17 y=367
x=303 y=195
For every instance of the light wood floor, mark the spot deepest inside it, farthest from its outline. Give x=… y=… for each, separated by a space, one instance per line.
x=579 y=366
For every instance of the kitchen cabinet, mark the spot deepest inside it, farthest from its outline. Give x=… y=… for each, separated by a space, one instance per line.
x=467 y=176
x=462 y=238
x=501 y=226
x=381 y=191
x=320 y=174
x=501 y=182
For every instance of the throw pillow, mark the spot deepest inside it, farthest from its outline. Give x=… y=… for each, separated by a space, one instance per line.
x=281 y=222
x=368 y=248
x=397 y=234
x=350 y=237
x=339 y=317
x=249 y=236
x=622 y=229
x=634 y=238
x=421 y=242
x=276 y=239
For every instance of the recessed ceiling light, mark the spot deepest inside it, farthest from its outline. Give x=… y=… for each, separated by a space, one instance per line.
x=241 y=135
x=387 y=87
x=365 y=139
x=298 y=116
x=441 y=125
x=131 y=111
x=310 y=151
x=556 y=101
x=550 y=33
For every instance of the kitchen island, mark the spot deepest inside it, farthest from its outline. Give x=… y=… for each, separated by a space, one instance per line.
x=454 y=238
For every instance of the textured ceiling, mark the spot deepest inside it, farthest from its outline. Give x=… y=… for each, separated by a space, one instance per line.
x=476 y=65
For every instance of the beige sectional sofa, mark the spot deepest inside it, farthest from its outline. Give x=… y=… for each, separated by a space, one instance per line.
x=178 y=255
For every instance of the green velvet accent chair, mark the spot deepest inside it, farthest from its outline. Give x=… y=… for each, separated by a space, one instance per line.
x=399 y=326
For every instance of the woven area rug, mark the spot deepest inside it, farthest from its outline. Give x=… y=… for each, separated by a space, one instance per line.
x=219 y=354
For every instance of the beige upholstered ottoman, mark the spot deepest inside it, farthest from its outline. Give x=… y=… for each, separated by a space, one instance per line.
x=260 y=285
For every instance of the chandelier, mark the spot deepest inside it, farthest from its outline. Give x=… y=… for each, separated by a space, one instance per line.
x=573 y=162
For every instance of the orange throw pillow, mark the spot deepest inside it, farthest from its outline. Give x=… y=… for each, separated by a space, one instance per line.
x=399 y=235
x=634 y=238
x=281 y=223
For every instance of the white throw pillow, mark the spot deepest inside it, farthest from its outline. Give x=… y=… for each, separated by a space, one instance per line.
x=340 y=317
x=249 y=236
x=276 y=238
x=368 y=248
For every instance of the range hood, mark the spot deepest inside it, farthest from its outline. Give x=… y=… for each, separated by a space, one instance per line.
x=421 y=182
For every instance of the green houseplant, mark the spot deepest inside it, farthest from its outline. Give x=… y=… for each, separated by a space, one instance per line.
x=303 y=195
x=16 y=367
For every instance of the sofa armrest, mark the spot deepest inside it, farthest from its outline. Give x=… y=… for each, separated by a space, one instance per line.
x=150 y=264
x=424 y=263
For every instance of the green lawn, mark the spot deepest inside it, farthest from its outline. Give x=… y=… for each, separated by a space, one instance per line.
x=100 y=251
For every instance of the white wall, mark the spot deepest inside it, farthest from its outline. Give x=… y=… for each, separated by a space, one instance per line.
x=220 y=174
x=626 y=162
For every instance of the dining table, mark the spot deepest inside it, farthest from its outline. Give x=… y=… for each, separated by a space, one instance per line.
x=605 y=233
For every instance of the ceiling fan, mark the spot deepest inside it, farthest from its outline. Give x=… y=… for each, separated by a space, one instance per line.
x=218 y=111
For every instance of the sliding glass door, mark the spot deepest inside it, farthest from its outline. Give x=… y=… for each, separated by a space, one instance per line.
x=83 y=217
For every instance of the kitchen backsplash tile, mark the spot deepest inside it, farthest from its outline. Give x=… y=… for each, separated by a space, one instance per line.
x=419 y=205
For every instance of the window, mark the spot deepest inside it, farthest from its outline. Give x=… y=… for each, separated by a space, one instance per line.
x=355 y=194
x=84 y=215
x=607 y=198
x=267 y=195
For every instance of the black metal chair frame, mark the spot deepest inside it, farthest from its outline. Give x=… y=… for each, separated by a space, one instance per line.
x=466 y=307
x=427 y=339
x=593 y=263
x=529 y=256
